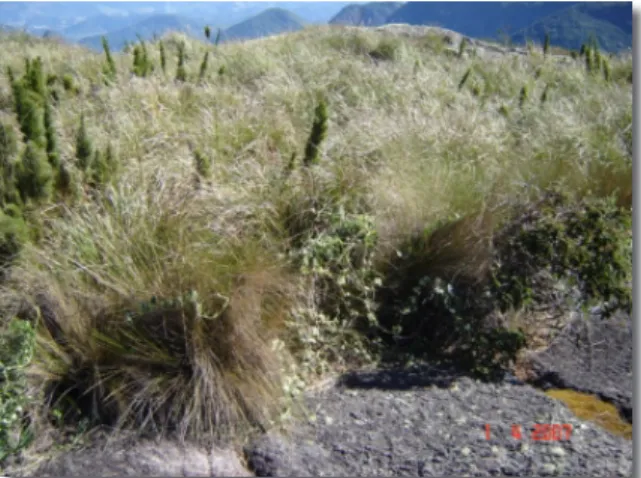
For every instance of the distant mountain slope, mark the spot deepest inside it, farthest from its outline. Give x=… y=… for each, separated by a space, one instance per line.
x=568 y=23
x=99 y=25
x=476 y=19
x=370 y=14
x=269 y=22
x=610 y=23
x=154 y=25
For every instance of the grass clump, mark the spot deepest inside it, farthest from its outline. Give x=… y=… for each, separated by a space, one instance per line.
x=149 y=339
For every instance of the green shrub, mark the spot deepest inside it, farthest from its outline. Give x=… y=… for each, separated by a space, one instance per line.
x=13 y=233
x=203 y=164
x=446 y=290
x=68 y=83
x=587 y=244
x=333 y=245
x=17 y=342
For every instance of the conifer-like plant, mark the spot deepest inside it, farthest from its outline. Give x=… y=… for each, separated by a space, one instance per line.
x=28 y=108
x=607 y=74
x=142 y=65
x=544 y=95
x=8 y=153
x=51 y=136
x=203 y=164
x=317 y=134
x=109 y=68
x=462 y=46
x=207 y=32
x=523 y=96
x=466 y=77
x=163 y=58
x=203 y=67
x=546 y=44
x=35 y=78
x=34 y=174
x=181 y=73
x=63 y=180
x=84 y=148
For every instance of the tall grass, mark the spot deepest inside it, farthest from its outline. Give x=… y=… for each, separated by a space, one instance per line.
x=171 y=302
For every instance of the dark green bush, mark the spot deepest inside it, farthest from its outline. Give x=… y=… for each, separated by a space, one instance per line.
x=428 y=310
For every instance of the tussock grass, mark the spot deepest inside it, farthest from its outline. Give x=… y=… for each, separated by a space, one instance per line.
x=405 y=149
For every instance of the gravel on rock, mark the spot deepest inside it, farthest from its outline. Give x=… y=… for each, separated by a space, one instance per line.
x=429 y=422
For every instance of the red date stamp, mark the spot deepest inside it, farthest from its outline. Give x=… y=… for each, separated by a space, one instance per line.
x=540 y=432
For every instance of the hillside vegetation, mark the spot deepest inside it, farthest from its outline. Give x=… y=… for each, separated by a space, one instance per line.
x=192 y=234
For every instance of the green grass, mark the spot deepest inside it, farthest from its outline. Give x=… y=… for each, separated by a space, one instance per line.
x=202 y=303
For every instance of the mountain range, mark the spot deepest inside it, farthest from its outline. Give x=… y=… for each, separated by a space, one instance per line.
x=569 y=24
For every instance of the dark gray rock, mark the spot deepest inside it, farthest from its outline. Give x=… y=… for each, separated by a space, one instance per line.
x=426 y=422
x=591 y=355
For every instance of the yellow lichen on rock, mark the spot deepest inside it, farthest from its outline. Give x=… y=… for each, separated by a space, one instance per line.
x=592 y=408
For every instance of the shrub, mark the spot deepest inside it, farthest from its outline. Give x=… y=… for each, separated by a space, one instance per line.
x=587 y=244
x=13 y=234
x=332 y=241
x=17 y=341
x=445 y=293
x=68 y=83
x=203 y=164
